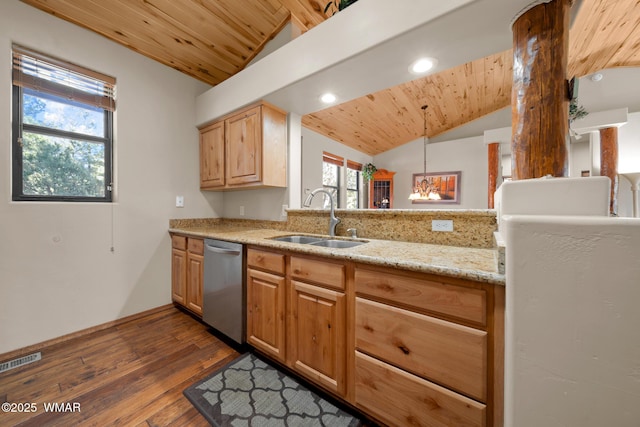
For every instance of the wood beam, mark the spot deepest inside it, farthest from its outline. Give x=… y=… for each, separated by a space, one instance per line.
x=539 y=99
x=609 y=163
x=493 y=157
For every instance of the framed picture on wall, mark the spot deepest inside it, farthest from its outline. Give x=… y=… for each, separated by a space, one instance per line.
x=436 y=188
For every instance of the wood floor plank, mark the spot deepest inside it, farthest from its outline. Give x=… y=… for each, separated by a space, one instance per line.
x=157 y=403
x=129 y=374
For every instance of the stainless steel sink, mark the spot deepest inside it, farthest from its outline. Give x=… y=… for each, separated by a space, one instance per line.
x=319 y=241
x=330 y=243
x=298 y=239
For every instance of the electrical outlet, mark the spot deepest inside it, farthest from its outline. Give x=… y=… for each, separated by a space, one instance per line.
x=179 y=201
x=241 y=210
x=284 y=210
x=442 y=225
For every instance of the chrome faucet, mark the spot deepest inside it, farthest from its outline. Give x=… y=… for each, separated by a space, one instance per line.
x=333 y=221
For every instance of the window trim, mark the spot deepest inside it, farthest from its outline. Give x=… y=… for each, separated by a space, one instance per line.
x=18 y=127
x=337 y=161
x=357 y=167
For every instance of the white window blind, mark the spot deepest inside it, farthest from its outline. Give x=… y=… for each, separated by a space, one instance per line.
x=39 y=72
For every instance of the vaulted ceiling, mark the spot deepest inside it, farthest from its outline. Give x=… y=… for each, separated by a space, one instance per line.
x=212 y=40
x=605 y=34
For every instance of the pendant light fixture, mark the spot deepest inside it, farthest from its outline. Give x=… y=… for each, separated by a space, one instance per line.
x=423 y=189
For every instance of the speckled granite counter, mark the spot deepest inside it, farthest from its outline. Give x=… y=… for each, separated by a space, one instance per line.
x=475 y=264
x=472 y=228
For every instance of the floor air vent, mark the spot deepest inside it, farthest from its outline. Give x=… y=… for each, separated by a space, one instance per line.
x=20 y=361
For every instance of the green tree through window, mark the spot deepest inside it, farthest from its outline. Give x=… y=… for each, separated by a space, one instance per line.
x=62 y=143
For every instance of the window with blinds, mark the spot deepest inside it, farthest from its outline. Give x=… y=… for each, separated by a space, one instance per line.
x=62 y=130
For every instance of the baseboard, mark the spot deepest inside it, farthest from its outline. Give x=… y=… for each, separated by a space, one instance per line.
x=39 y=346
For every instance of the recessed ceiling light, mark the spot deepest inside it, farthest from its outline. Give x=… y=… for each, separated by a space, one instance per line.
x=422 y=65
x=328 y=98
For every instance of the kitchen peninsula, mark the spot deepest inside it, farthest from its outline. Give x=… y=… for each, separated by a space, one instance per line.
x=403 y=311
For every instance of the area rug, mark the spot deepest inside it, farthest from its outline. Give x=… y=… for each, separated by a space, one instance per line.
x=250 y=392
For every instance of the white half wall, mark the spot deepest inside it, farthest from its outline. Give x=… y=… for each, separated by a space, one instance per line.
x=572 y=350
x=57 y=274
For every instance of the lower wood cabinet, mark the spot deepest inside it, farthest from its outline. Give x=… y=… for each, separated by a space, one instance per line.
x=429 y=346
x=195 y=275
x=179 y=269
x=265 y=312
x=405 y=348
x=187 y=271
x=317 y=334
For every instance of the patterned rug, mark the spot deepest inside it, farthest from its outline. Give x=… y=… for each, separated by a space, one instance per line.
x=249 y=392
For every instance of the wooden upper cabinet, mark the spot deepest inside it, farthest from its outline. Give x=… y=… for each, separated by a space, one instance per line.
x=212 y=156
x=245 y=149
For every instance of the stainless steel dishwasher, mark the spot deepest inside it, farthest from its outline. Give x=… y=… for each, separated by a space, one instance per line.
x=223 y=300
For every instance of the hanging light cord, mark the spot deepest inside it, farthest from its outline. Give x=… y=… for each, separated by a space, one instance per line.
x=424 y=108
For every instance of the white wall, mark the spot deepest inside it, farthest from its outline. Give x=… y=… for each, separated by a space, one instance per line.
x=579 y=157
x=628 y=161
x=585 y=155
x=57 y=274
x=263 y=204
x=468 y=155
x=313 y=144
x=572 y=349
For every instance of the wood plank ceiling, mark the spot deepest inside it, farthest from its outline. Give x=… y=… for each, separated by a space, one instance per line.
x=212 y=40
x=605 y=34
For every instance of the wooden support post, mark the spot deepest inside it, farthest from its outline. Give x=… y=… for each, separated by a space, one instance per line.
x=494 y=170
x=539 y=98
x=609 y=163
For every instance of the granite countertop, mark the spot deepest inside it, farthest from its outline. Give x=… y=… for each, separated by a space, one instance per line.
x=480 y=265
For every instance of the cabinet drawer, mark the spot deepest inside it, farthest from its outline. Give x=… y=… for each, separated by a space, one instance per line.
x=196 y=246
x=402 y=399
x=266 y=260
x=320 y=272
x=449 y=354
x=451 y=300
x=179 y=242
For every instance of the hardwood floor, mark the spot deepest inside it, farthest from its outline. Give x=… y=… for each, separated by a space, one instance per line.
x=132 y=374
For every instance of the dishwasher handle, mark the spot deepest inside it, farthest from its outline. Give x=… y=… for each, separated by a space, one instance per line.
x=222 y=250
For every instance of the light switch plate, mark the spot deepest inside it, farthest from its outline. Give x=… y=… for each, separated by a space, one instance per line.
x=442 y=225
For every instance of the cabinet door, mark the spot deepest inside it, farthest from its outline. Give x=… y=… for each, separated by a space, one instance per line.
x=244 y=147
x=195 y=282
x=318 y=335
x=178 y=275
x=212 y=156
x=265 y=312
